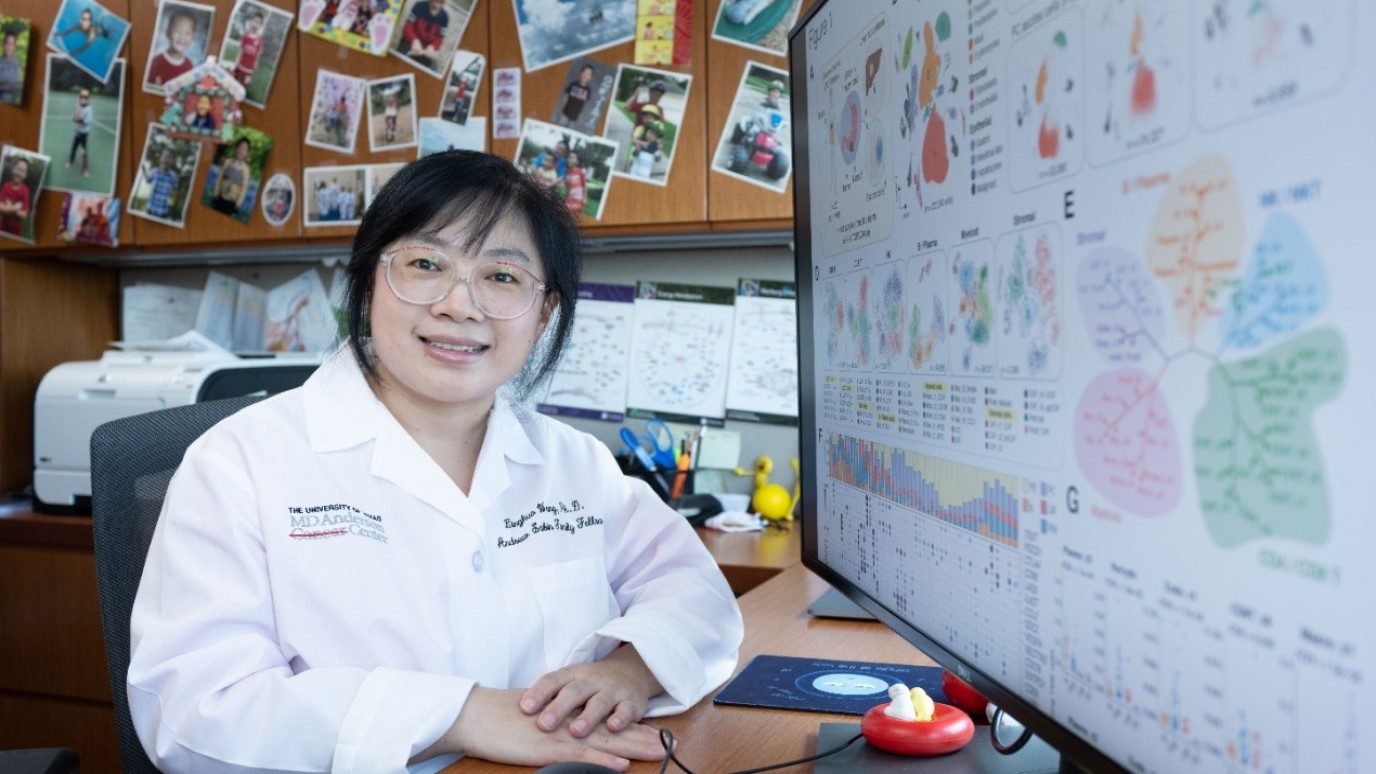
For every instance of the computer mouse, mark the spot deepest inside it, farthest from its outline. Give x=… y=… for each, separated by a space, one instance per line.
x=575 y=767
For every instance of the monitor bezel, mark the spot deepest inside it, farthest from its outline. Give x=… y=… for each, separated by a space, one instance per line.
x=1070 y=744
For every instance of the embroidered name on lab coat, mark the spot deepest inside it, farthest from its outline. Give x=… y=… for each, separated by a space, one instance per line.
x=320 y=522
x=556 y=518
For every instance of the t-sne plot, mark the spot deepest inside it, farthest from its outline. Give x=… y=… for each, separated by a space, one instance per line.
x=973 y=287
x=1046 y=104
x=1255 y=57
x=1029 y=309
x=890 y=316
x=1137 y=76
x=932 y=70
x=928 y=313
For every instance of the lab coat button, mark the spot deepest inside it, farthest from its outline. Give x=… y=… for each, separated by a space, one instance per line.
x=478 y=561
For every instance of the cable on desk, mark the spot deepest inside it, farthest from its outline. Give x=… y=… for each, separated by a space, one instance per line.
x=666 y=738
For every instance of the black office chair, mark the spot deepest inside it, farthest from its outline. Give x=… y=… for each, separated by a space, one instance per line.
x=132 y=462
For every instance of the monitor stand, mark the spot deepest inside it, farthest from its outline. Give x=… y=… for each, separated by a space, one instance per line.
x=978 y=757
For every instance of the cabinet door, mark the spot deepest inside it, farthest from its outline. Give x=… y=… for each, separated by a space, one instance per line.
x=733 y=201
x=632 y=205
x=203 y=225
x=22 y=125
x=319 y=54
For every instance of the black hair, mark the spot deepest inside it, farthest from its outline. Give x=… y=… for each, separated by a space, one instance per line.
x=180 y=13
x=432 y=192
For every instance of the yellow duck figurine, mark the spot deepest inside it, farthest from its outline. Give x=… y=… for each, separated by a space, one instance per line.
x=772 y=501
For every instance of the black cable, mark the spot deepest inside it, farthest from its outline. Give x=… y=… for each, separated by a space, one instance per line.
x=666 y=738
x=999 y=746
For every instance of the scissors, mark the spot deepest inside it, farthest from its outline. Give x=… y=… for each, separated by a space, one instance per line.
x=658 y=441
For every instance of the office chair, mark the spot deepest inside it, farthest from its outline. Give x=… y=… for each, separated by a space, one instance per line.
x=132 y=462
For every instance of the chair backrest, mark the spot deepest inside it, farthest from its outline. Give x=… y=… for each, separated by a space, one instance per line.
x=132 y=462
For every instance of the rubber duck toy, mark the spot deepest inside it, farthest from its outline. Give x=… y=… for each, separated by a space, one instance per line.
x=771 y=501
x=912 y=724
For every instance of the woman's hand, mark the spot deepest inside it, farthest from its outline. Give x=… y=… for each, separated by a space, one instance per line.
x=616 y=690
x=491 y=726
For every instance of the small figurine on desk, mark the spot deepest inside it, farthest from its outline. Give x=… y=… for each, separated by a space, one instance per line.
x=912 y=724
x=772 y=501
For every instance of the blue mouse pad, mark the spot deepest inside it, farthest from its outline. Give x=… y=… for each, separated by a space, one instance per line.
x=812 y=685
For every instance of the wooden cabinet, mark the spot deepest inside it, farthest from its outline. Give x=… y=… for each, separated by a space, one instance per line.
x=732 y=202
x=278 y=120
x=679 y=205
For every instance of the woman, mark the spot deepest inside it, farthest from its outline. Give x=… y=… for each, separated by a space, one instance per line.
x=392 y=564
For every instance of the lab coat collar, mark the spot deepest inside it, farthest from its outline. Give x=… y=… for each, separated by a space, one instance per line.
x=342 y=412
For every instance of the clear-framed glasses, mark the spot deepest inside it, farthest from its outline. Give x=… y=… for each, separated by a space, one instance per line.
x=424 y=275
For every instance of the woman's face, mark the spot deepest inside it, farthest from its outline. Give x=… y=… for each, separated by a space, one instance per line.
x=450 y=354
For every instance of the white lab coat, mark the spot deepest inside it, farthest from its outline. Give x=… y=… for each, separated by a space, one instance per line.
x=320 y=595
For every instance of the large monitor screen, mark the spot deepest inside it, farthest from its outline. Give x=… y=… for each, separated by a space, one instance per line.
x=1088 y=318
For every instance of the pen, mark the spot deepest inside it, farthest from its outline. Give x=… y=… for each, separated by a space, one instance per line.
x=685 y=458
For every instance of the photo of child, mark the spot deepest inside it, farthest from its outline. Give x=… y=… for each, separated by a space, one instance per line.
x=89 y=219
x=587 y=92
x=576 y=167
x=22 y=174
x=755 y=145
x=253 y=44
x=14 y=57
x=81 y=126
x=647 y=110
x=392 y=113
x=162 y=185
x=431 y=31
x=461 y=90
x=334 y=195
x=236 y=173
x=362 y=25
x=335 y=111
x=279 y=196
x=181 y=42
x=89 y=34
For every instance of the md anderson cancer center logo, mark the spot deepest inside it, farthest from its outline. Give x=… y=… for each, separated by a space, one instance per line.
x=319 y=522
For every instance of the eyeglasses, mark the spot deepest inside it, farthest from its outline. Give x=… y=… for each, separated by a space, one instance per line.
x=424 y=276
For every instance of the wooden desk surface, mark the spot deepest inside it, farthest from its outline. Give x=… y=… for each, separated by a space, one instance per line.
x=715 y=738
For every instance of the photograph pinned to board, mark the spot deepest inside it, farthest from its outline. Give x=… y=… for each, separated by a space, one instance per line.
x=506 y=103
x=585 y=95
x=279 y=199
x=253 y=45
x=362 y=25
x=762 y=385
x=461 y=88
x=181 y=41
x=685 y=381
x=376 y=177
x=89 y=219
x=236 y=174
x=438 y=135
x=594 y=369
x=14 y=58
x=654 y=32
x=576 y=167
x=759 y=24
x=162 y=184
x=81 y=126
x=431 y=31
x=203 y=104
x=756 y=145
x=22 y=174
x=392 y=113
x=644 y=119
x=333 y=196
x=554 y=32
x=89 y=34
x=335 y=111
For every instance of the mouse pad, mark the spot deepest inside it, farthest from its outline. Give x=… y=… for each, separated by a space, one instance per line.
x=813 y=685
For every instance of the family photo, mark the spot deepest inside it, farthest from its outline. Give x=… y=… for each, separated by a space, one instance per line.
x=14 y=58
x=81 y=126
x=253 y=44
x=585 y=95
x=576 y=167
x=22 y=174
x=363 y=25
x=754 y=144
x=431 y=31
x=646 y=112
x=334 y=195
x=335 y=111
x=461 y=89
x=181 y=42
x=162 y=185
x=392 y=113
x=236 y=173
x=279 y=198
x=89 y=34
x=89 y=219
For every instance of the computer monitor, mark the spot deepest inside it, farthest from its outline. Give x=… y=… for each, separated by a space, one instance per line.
x=1087 y=303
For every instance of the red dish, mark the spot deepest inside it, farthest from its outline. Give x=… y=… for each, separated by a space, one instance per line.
x=949 y=730
x=962 y=694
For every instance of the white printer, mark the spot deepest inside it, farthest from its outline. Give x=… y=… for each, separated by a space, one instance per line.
x=75 y=398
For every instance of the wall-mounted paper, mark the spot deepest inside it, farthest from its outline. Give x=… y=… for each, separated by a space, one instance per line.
x=590 y=381
x=680 y=350
x=763 y=383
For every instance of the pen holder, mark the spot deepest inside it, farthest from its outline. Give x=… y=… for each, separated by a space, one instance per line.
x=661 y=481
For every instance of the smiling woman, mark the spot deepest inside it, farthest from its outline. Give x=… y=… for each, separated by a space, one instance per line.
x=484 y=581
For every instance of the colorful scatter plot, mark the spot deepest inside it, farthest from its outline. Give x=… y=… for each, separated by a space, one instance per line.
x=1282 y=288
x=1126 y=443
x=1257 y=460
x=890 y=315
x=1137 y=76
x=1121 y=306
x=858 y=319
x=972 y=328
x=927 y=312
x=1029 y=330
x=1196 y=241
x=835 y=327
x=1047 y=101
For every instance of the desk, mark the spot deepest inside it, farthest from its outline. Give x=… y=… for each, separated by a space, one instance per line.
x=714 y=739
